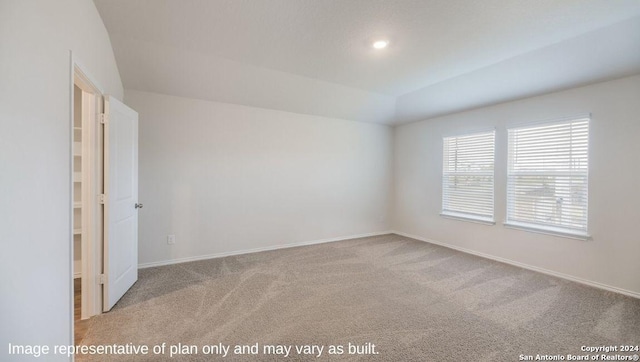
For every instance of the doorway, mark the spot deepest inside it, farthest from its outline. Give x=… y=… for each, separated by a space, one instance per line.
x=87 y=105
x=104 y=200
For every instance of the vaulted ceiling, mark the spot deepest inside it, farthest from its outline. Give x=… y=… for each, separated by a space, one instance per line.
x=315 y=57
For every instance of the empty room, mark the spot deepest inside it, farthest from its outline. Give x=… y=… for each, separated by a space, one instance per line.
x=385 y=180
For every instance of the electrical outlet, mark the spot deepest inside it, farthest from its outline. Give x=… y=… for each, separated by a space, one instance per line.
x=171 y=239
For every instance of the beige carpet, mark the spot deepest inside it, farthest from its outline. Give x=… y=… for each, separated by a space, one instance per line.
x=414 y=301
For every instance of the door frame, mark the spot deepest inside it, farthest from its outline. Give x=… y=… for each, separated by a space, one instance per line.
x=91 y=243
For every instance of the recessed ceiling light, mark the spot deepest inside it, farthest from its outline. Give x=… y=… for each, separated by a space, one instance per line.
x=380 y=44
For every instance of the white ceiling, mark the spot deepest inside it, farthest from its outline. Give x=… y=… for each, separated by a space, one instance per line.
x=311 y=56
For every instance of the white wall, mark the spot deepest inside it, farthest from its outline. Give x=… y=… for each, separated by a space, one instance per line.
x=35 y=146
x=226 y=178
x=611 y=258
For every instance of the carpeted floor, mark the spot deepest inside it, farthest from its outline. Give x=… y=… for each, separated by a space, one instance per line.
x=414 y=301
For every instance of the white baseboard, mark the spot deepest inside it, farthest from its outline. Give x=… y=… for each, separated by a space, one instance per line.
x=525 y=266
x=256 y=250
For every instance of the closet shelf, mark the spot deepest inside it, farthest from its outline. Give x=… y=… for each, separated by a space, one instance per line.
x=77 y=231
x=77 y=149
x=77 y=177
x=77 y=205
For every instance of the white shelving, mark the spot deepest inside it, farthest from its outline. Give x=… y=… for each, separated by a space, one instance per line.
x=77 y=149
x=77 y=183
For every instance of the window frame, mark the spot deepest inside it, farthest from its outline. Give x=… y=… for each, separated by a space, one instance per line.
x=549 y=229
x=469 y=216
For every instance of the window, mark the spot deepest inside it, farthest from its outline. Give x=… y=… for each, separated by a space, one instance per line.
x=467 y=176
x=547 y=177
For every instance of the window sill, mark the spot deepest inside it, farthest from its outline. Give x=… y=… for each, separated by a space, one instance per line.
x=468 y=218
x=564 y=233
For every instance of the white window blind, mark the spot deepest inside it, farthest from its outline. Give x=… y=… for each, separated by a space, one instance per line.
x=547 y=177
x=467 y=176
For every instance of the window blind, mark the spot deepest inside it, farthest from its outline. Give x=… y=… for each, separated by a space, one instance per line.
x=467 y=176
x=547 y=176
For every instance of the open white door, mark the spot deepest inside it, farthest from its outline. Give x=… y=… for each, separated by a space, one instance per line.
x=121 y=200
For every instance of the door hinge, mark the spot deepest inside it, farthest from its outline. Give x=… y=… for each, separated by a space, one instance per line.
x=104 y=119
x=102 y=279
x=101 y=199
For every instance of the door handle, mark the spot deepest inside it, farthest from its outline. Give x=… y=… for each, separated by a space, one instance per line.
x=139 y=206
